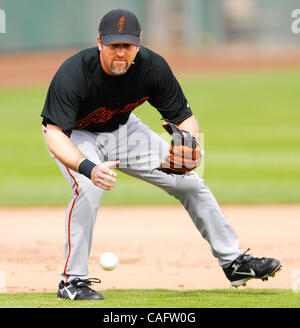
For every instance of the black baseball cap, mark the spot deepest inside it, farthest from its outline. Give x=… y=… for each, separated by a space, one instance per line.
x=120 y=26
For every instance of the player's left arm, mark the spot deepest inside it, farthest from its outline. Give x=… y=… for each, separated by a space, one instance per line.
x=185 y=152
x=192 y=126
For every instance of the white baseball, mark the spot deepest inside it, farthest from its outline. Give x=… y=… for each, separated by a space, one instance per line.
x=108 y=261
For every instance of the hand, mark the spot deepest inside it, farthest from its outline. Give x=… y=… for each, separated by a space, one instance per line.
x=185 y=152
x=102 y=175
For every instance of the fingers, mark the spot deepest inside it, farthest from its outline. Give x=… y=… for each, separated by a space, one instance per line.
x=111 y=164
x=172 y=161
x=107 y=176
x=103 y=184
x=187 y=152
x=106 y=167
x=102 y=175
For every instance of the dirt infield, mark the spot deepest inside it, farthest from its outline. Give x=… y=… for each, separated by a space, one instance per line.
x=158 y=247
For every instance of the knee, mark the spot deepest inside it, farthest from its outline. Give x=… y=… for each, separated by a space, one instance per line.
x=188 y=184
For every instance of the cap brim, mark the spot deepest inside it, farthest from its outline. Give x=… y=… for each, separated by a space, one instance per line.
x=120 y=38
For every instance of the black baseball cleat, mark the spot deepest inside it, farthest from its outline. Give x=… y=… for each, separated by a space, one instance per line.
x=247 y=267
x=78 y=289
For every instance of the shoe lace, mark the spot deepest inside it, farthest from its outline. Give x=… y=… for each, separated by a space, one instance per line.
x=246 y=257
x=85 y=283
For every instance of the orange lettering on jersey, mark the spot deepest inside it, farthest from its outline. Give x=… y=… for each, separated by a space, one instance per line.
x=102 y=114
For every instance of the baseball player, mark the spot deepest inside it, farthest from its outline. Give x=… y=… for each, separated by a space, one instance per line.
x=91 y=133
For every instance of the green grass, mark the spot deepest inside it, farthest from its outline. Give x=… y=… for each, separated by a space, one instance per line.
x=252 y=137
x=161 y=298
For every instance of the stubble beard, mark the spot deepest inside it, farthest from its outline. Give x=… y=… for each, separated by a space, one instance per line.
x=119 y=69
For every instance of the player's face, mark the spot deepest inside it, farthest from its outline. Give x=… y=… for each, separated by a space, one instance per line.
x=117 y=58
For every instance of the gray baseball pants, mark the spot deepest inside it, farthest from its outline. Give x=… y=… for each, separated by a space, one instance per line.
x=140 y=151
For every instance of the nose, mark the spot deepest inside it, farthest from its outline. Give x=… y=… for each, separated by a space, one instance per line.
x=120 y=51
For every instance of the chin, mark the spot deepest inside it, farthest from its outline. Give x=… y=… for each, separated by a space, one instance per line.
x=120 y=71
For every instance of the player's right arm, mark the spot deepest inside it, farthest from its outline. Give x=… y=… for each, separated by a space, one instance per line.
x=62 y=147
x=60 y=144
x=63 y=101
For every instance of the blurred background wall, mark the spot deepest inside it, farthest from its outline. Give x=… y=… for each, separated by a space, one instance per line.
x=168 y=24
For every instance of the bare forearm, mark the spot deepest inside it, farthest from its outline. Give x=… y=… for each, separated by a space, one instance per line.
x=66 y=152
x=191 y=125
x=63 y=148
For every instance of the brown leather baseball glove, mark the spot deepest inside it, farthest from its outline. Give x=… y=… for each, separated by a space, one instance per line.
x=185 y=152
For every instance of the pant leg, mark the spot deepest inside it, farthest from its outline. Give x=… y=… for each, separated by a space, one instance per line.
x=190 y=190
x=82 y=210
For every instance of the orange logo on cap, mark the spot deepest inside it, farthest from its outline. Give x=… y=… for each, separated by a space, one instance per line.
x=121 y=23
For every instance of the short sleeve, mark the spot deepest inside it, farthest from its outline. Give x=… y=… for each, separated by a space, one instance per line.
x=62 y=101
x=167 y=96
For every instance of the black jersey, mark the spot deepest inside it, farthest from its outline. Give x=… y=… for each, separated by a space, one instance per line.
x=82 y=96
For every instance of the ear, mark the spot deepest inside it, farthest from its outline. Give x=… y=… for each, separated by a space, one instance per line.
x=141 y=37
x=99 y=43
